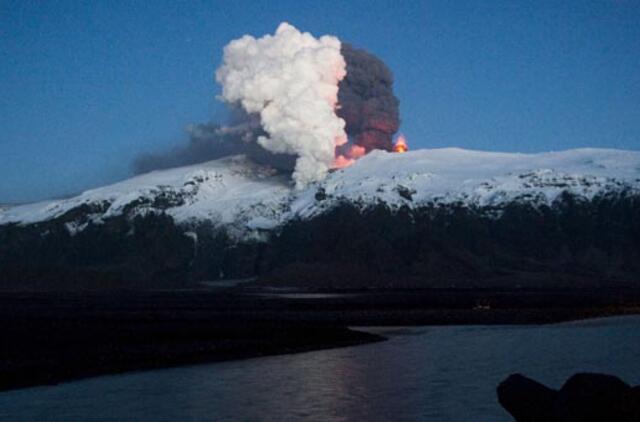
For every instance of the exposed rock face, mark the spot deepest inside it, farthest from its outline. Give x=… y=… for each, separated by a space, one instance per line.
x=570 y=244
x=585 y=397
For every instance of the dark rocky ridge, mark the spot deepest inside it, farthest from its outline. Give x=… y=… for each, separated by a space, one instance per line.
x=572 y=243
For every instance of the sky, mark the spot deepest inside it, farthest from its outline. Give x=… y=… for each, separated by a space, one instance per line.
x=87 y=86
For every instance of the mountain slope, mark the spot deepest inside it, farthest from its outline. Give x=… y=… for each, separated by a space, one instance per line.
x=247 y=197
x=428 y=218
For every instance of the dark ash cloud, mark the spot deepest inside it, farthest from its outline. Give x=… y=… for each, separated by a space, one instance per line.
x=367 y=104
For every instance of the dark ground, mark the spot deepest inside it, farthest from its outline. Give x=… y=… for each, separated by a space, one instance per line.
x=49 y=337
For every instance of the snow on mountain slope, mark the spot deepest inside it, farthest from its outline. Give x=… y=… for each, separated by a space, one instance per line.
x=481 y=178
x=248 y=198
x=222 y=191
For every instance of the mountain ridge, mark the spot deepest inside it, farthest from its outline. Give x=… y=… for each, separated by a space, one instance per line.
x=250 y=198
x=428 y=218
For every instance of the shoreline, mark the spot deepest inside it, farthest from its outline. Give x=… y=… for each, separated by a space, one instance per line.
x=29 y=374
x=56 y=337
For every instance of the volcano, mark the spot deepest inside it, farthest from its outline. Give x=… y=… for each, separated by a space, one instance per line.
x=438 y=217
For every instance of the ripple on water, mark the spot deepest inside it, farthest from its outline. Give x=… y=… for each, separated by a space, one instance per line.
x=432 y=373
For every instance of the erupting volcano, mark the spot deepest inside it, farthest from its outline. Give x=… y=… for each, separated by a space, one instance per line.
x=300 y=104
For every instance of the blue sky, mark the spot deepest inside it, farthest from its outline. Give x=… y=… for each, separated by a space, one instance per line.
x=86 y=86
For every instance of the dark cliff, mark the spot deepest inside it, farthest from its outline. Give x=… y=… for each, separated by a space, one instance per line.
x=571 y=243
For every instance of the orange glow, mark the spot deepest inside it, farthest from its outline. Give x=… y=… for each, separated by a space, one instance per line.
x=401 y=145
x=349 y=157
x=341 y=162
x=356 y=151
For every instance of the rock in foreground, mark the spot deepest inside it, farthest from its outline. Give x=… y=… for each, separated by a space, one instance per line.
x=585 y=397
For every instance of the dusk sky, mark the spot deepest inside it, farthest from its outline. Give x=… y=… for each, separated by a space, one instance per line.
x=87 y=86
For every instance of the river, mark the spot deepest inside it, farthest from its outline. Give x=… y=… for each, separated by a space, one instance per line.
x=421 y=373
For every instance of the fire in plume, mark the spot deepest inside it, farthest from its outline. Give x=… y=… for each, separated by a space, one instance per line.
x=401 y=144
x=348 y=154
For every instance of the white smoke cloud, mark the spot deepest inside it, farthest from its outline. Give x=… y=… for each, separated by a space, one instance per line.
x=291 y=80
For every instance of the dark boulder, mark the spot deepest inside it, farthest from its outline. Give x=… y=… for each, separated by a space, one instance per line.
x=596 y=397
x=585 y=397
x=527 y=400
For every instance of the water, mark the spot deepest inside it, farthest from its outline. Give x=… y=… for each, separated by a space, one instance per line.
x=424 y=373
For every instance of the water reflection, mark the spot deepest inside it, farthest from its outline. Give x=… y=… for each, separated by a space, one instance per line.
x=433 y=373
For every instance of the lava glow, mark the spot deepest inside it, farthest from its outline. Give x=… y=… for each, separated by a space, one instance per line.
x=350 y=153
x=348 y=157
x=401 y=145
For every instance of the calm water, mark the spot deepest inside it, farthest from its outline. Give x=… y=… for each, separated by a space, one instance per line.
x=430 y=373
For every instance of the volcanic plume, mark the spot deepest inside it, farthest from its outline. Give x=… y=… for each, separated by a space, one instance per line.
x=366 y=99
x=290 y=80
x=299 y=103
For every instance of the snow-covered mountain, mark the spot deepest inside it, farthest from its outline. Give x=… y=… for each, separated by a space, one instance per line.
x=247 y=198
x=427 y=218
